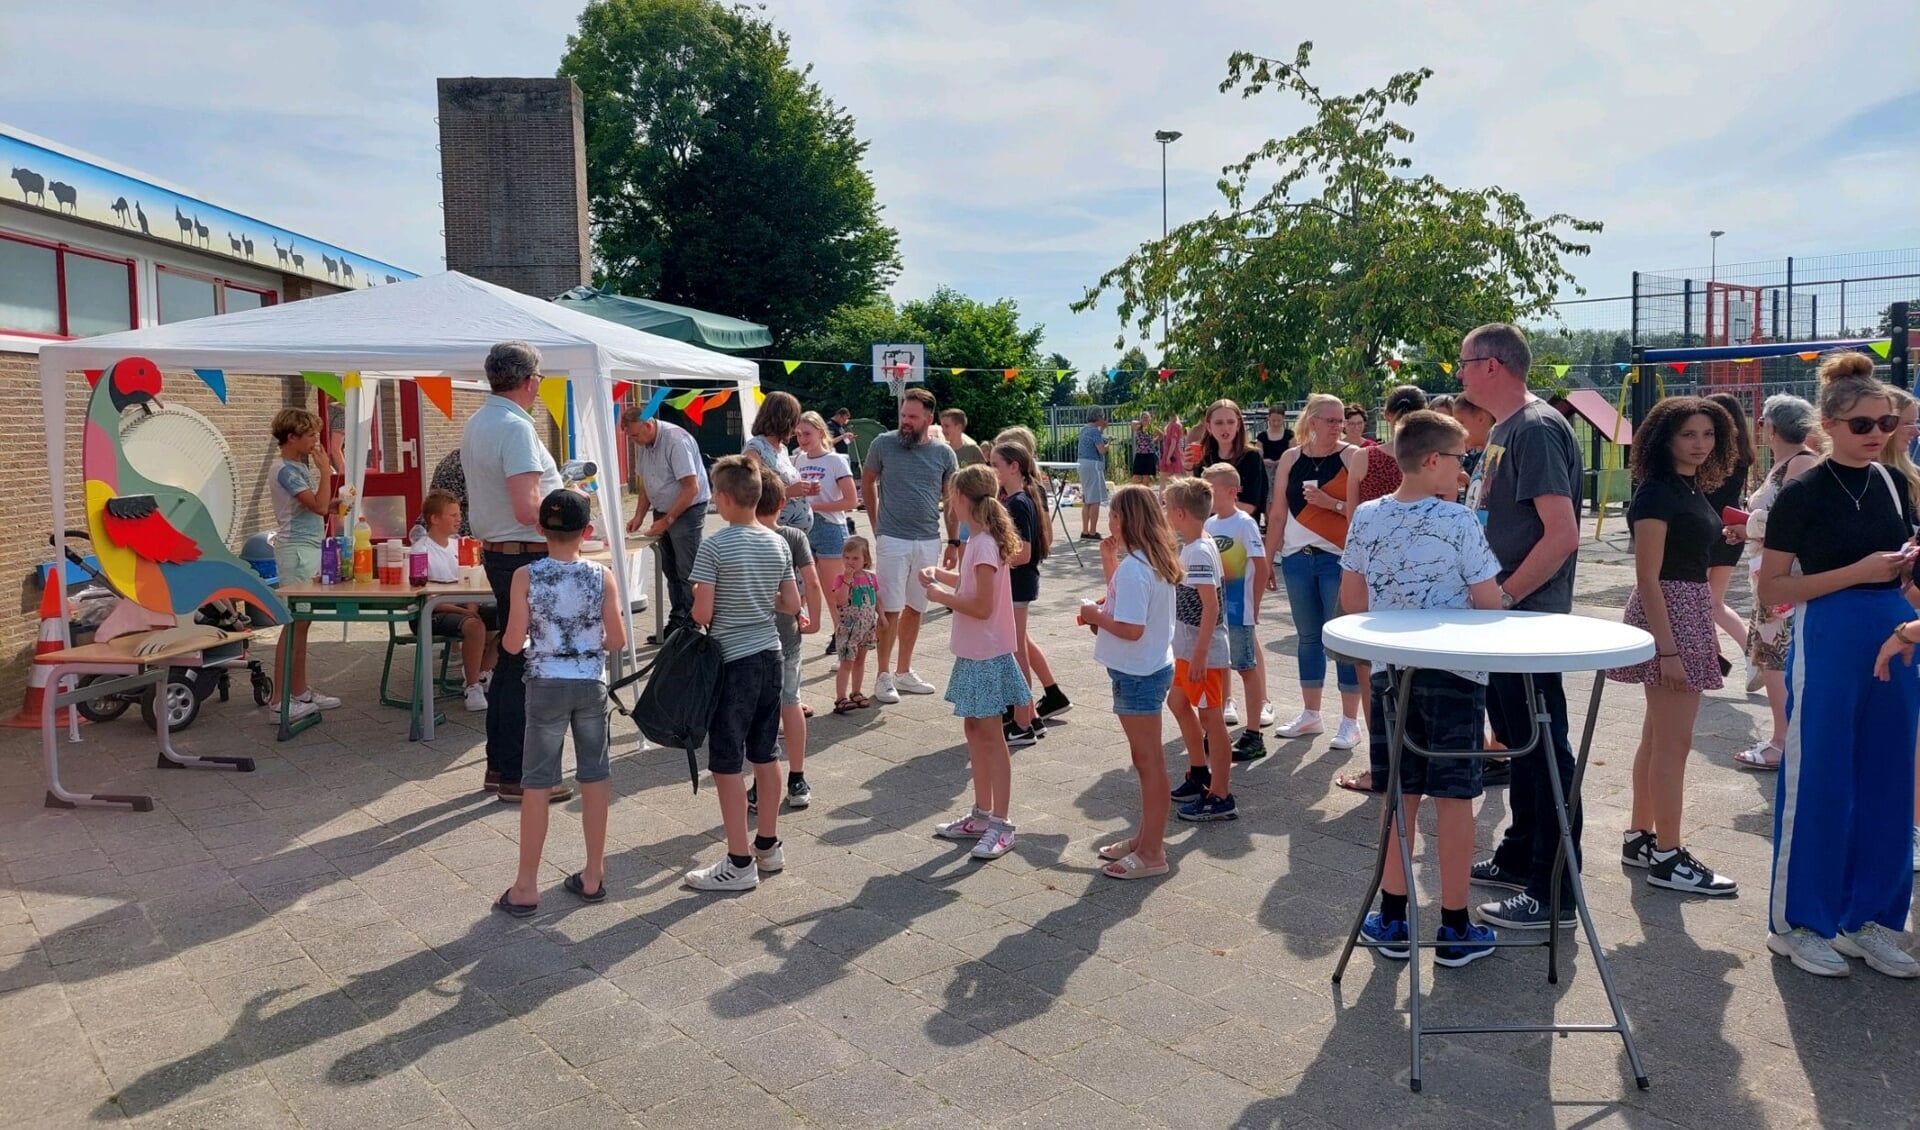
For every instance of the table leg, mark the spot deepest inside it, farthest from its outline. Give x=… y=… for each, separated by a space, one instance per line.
x=169 y=758
x=659 y=591
x=58 y=796
x=423 y=714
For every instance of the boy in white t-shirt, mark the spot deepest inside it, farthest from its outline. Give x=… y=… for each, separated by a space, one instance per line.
x=1243 y=578
x=476 y=625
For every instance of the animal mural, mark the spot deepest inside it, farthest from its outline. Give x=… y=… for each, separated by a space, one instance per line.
x=332 y=265
x=200 y=231
x=123 y=212
x=157 y=544
x=246 y=244
x=140 y=214
x=32 y=185
x=346 y=268
x=283 y=252
x=186 y=225
x=66 y=198
x=299 y=260
x=233 y=243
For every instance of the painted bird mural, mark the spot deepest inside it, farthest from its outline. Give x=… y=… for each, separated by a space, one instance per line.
x=157 y=544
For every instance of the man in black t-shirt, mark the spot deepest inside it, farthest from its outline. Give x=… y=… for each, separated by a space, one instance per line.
x=1528 y=487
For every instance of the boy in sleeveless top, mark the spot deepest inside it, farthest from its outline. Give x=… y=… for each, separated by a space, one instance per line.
x=559 y=617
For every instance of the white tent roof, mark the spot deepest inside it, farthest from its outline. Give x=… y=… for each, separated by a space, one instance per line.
x=443 y=323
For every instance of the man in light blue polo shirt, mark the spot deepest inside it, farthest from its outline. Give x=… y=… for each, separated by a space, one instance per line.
x=508 y=472
x=673 y=485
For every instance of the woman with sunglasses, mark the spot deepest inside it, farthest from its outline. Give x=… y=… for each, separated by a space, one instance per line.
x=1842 y=856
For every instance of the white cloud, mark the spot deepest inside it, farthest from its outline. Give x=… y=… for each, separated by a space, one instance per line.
x=1013 y=144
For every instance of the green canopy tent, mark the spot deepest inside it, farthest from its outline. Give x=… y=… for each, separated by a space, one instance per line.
x=681 y=323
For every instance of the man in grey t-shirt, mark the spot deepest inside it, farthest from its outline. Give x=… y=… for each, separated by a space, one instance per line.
x=672 y=485
x=1530 y=481
x=1092 y=454
x=905 y=479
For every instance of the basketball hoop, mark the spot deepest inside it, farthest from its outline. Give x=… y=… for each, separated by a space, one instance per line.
x=897 y=379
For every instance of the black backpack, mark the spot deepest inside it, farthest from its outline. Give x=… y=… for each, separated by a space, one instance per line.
x=676 y=706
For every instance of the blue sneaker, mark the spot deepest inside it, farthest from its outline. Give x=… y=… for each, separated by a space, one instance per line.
x=1457 y=949
x=1190 y=789
x=1389 y=938
x=1209 y=808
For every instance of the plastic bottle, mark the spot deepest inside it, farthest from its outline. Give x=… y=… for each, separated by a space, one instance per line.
x=362 y=549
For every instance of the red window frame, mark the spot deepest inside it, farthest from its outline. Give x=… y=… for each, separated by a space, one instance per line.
x=60 y=252
x=220 y=287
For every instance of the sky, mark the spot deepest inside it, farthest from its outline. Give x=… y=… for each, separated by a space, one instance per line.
x=1012 y=144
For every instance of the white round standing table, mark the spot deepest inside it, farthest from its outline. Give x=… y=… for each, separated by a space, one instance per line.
x=1522 y=643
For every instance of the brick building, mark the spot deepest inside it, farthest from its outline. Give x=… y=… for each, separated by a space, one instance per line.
x=87 y=248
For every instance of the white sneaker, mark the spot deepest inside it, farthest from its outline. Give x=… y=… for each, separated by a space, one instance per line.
x=476 y=698
x=1230 y=714
x=1882 y=953
x=1810 y=952
x=1348 y=735
x=299 y=709
x=724 y=876
x=995 y=842
x=1756 y=677
x=1266 y=714
x=771 y=860
x=1304 y=723
x=884 y=690
x=910 y=683
x=319 y=701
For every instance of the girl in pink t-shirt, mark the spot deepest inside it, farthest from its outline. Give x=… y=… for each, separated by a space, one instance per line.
x=986 y=678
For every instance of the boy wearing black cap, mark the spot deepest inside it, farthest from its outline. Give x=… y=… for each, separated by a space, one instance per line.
x=560 y=614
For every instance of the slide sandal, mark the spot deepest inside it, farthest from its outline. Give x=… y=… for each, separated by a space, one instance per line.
x=1356 y=782
x=577 y=887
x=1131 y=867
x=1113 y=853
x=518 y=910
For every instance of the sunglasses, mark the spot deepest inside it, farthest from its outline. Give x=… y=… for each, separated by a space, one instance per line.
x=1861 y=425
x=1461 y=455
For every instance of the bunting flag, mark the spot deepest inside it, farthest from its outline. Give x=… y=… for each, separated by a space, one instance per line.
x=680 y=402
x=1743 y=361
x=1883 y=348
x=846 y=366
x=1446 y=367
x=1809 y=355
x=791 y=366
x=1561 y=370
x=759 y=396
x=93 y=376
x=956 y=372
x=1678 y=366
x=328 y=383
x=1263 y=374
x=1061 y=374
x=215 y=379
x=1393 y=363
x=621 y=389
x=438 y=391
x=696 y=410
x=659 y=397
x=1165 y=374
x=1009 y=374
x=717 y=399
x=350 y=380
x=553 y=394
x=1622 y=366
x=1112 y=373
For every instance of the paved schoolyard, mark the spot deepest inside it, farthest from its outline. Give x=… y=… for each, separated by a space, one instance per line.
x=310 y=944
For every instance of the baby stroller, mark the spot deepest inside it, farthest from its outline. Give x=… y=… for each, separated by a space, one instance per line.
x=98 y=615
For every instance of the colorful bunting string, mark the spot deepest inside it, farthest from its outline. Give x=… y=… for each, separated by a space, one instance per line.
x=438 y=391
x=680 y=402
x=759 y=396
x=328 y=383
x=350 y=380
x=1883 y=348
x=653 y=403
x=214 y=379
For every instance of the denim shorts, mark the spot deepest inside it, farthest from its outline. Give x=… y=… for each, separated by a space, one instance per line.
x=1141 y=694
x=553 y=707
x=1242 y=648
x=746 y=713
x=827 y=537
x=1446 y=712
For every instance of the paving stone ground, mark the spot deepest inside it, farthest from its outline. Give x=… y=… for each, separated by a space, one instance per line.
x=310 y=944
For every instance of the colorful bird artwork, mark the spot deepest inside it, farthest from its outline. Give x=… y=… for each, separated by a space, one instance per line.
x=157 y=544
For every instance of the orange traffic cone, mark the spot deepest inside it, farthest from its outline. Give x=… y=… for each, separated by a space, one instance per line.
x=51 y=639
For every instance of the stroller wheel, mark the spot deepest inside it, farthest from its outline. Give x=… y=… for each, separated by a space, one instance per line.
x=226 y=686
x=105 y=708
x=262 y=689
x=182 y=706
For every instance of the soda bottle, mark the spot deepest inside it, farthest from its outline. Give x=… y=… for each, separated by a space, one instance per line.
x=362 y=549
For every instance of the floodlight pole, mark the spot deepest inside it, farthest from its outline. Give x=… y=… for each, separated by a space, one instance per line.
x=1713 y=254
x=1165 y=137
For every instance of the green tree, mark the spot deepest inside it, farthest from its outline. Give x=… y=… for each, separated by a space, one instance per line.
x=718 y=174
x=1346 y=257
x=958 y=331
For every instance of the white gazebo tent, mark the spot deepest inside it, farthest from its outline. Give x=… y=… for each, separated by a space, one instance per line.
x=440 y=325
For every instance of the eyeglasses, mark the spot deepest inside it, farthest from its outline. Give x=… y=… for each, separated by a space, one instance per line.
x=1460 y=455
x=1861 y=425
x=1465 y=361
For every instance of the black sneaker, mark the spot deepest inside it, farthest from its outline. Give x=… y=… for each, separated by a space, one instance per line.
x=1249 y=746
x=1487 y=873
x=1020 y=737
x=1524 y=912
x=1497 y=774
x=799 y=794
x=1052 y=701
x=1193 y=788
x=1680 y=871
x=1636 y=849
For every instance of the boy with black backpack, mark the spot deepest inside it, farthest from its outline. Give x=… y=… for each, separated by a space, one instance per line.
x=741 y=577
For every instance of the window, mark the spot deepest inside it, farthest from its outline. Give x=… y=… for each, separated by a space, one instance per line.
x=184 y=296
x=51 y=290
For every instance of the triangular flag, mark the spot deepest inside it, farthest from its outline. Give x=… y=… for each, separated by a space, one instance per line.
x=1009 y=374
x=845 y=367
x=621 y=389
x=1059 y=374
x=328 y=383
x=1883 y=348
x=685 y=399
x=1393 y=363
x=1620 y=365
x=1165 y=373
x=717 y=399
x=1810 y=355
x=553 y=394
x=653 y=403
x=1560 y=370
x=697 y=411
x=1743 y=361
x=1112 y=373
x=1263 y=372
x=759 y=396
x=791 y=366
x=351 y=380
x=438 y=391
x=1446 y=366
x=1678 y=366
x=93 y=376
x=956 y=371
x=215 y=379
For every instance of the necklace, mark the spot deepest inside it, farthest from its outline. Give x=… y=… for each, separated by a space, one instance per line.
x=1320 y=462
x=1857 y=498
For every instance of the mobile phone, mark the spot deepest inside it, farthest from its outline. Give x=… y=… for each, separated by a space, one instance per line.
x=1733 y=516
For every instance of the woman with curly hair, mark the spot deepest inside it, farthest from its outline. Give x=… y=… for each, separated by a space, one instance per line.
x=1684 y=449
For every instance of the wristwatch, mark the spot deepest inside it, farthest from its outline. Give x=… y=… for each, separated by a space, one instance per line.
x=1506 y=600
x=1340 y=507
x=954 y=542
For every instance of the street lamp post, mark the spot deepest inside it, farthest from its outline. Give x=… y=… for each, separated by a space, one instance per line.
x=1713 y=243
x=1165 y=137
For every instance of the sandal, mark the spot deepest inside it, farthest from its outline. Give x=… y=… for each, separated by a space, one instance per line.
x=1356 y=782
x=1133 y=867
x=1756 y=758
x=507 y=906
x=577 y=886
x=861 y=701
x=845 y=706
x=1113 y=853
